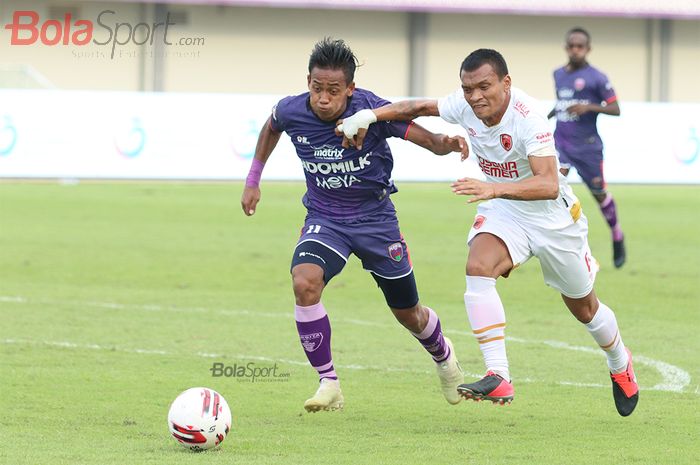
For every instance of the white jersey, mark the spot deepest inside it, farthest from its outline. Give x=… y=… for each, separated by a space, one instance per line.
x=502 y=154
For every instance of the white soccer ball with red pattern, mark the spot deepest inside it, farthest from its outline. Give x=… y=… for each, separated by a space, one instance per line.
x=199 y=418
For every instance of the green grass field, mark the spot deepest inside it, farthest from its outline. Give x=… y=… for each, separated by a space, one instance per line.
x=116 y=297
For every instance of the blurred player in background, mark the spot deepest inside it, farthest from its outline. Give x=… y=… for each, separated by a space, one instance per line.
x=583 y=92
x=349 y=211
x=530 y=211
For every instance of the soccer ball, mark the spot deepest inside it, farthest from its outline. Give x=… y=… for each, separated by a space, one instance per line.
x=199 y=418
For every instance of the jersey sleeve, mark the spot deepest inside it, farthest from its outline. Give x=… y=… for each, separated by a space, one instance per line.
x=388 y=129
x=278 y=119
x=605 y=89
x=396 y=128
x=450 y=106
x=537 y=136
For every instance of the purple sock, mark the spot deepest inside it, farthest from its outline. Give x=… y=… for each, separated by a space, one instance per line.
x=431 y=338
x=315 y=334
x=609 y=210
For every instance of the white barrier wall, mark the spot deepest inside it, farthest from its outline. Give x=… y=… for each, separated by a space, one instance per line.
x=124 y=135
x=266 y=50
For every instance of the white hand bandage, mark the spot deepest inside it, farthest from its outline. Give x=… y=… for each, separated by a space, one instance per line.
x=360 y=120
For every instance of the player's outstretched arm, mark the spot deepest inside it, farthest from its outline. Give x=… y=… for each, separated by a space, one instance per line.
x=267 y=141
x=407 y=110
x=353 y=128
x=439 y=144
x=543 y=185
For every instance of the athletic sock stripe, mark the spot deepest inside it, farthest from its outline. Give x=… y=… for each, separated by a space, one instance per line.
x=444 y=357
x=326 y=367
x=615 y=339
x=486 y=328
x=497 y=338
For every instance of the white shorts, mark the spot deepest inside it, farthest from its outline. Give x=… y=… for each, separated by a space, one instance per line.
x=567 y=263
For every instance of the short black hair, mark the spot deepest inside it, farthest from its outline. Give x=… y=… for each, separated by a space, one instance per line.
x=332 y=53
x=484 y=56
x=578 y=30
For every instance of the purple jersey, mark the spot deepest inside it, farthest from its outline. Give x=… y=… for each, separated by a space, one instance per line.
x=341 y=183
x=577 y=134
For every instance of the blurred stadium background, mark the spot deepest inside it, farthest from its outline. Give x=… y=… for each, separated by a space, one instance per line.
x=115 y=297
x=211 y=90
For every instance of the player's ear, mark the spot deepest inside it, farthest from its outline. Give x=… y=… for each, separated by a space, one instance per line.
x=308 y=80
x=506 y=81
x=350 y=89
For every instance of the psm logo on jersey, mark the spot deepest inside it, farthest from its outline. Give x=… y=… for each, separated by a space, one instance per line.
x=506 y=142
x=396 y=251
x=579 y=84
x=478 y=221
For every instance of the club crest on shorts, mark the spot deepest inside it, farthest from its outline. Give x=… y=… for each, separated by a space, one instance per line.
x=311 y=341
x=396 y=251
x=478 y=221
x=506 y=142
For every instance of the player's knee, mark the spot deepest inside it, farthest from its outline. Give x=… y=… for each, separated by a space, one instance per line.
x=585 y=314
x=597 y=188
x=600 y=195
x=477 y=267
x=583 y=309
x=307 y=288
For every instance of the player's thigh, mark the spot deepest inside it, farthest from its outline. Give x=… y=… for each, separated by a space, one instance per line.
x=565 y=258
x=401 y=294
x=497 y=244
x=564 y=161
x=324 y=244
x=590 y=168
x=381 y=248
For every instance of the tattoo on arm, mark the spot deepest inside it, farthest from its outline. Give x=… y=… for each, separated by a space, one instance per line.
x=406 y=110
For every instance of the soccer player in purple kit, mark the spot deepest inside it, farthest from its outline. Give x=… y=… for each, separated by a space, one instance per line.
x=349 y=211
x=583 y=92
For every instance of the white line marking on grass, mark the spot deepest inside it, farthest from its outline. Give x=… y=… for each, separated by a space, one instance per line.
x=674 y=378
x=74 y=345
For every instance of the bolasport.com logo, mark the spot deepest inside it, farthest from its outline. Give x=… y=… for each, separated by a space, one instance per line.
x=27 y=28
x=249 y=372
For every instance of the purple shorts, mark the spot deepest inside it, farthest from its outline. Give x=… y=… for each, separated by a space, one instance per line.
x=589 y=166
x=376 y=240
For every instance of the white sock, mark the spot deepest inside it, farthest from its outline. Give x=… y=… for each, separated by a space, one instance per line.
x=603 y=328
x=488 y=322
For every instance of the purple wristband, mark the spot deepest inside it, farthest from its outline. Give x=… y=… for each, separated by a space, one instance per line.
x=253 y=179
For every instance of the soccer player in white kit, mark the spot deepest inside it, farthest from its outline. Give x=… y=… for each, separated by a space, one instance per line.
x=529 y=210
